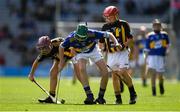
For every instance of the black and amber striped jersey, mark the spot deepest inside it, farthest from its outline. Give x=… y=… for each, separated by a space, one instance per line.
x=55 y=51
x=120 y=30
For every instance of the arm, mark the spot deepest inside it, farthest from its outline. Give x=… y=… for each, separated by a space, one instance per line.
x=61 y=57
x=113 y=38
x=33 y=69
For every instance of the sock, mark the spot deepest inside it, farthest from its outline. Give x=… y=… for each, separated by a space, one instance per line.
x=88 y=92
x=144 y=82
x=154 y=91
x=118 y=95
x=132 y=91
x=52 y=93
x=101 y=93
x=161 y=83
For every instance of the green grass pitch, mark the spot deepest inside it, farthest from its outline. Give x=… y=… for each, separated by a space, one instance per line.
x=19 y=94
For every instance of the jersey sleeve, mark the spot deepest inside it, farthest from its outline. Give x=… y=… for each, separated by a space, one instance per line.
x=68 y=41
x=102 y=35
x=127 y=30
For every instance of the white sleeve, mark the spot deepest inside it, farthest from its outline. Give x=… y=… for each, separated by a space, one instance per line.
x=107 y=34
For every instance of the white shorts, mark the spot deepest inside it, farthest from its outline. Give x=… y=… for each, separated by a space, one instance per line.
x=156 y=62
x=95 y=55
x=141 y=59
x=118 y=60
x=74 y=61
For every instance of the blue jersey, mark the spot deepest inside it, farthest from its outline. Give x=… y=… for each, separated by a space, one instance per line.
x=141 y=44
x=157 y=43
x=84 y=46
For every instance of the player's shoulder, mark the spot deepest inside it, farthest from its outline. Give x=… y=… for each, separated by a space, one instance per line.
x=123 y=21
x=56 y=41
x=150 y=34
x=70 y=37
x=164 y=33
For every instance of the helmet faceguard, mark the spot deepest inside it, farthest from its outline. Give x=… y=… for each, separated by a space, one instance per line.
x=44 y=45
x=81 y=32
x=156 y=25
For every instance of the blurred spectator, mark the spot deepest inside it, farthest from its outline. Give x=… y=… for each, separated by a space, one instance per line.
x=130 y=6
x=23 y=8
x=81 y=1
x=52 y=32
x=45 y=12
x=99 y=1
x=5 y=33
x=27 y=23
x=114 y=1
x=2 y=59
x=19 y=44
x=30 y=56
x=160 y=8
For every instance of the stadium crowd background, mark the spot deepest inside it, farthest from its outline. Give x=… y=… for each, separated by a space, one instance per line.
x=23 y=21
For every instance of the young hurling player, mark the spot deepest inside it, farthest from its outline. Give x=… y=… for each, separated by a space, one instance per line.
x=157 y=45
x=83 y=42
x=118 y=60
x=49 y=49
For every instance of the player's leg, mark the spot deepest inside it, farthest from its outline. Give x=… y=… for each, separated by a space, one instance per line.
x=116 y=85
x=121 y=85
x=53 y=82
x=76 y=72
x=152 y=72
x=142 y=65
x=53 y=77
x=143 y=75
x=84 y=80
x=123 y=71
x=104 y=80
x=160 y=71
x=161 y=83
x=128 y=81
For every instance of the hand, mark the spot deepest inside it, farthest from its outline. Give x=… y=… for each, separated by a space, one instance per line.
x=31 y=77
x=119 y=47
x=73 y=51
